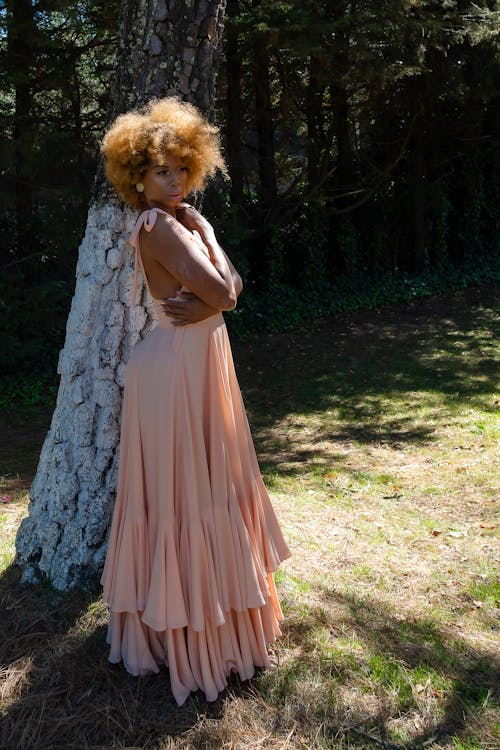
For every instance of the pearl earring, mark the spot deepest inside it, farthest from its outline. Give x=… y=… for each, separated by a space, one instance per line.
x=139 y=187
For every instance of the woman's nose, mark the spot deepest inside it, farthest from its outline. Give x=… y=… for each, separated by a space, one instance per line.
x=174 y=178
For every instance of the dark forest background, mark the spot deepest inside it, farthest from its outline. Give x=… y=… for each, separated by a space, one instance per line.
x=361 y=140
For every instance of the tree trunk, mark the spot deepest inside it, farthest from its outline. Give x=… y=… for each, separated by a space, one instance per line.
x=314 y=100
x=418 y=205
x=417 y=176
x=344 y=175
x=21 y=33
x=233 y=106
x=264 y=121
x=260 y=260
x=163 y=49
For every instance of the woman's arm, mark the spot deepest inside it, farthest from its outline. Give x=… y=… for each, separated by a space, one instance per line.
x=187 y=308
x=238 y=283
x=188 y=217
x=210 y=279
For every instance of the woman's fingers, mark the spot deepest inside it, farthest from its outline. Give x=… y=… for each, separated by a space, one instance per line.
x=186 y=309
x=173 y=309
x=176 y=308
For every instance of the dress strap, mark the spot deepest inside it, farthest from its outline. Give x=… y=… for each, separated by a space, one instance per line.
x=148 y=220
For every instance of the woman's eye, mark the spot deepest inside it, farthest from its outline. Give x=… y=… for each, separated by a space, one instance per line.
x=166 y=171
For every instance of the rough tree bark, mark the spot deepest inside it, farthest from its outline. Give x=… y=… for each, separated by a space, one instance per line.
x=165 y=47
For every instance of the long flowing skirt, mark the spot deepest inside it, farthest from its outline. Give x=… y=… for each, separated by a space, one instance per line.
x=194 y=539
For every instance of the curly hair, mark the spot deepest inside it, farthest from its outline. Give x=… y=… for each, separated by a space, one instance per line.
x=161 y=127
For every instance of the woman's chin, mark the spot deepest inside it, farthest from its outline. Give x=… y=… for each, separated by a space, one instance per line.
x=169 y=203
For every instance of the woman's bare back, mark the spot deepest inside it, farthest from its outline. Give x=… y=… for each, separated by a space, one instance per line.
x=161 y=283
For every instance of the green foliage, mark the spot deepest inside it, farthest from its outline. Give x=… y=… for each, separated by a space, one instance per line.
x=28 y=389
x=47 y=173
x=33 y=324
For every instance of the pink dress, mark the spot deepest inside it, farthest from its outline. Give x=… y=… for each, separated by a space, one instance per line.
x=194 y=540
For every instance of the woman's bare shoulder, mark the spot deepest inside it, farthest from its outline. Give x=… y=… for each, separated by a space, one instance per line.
x=165 y=233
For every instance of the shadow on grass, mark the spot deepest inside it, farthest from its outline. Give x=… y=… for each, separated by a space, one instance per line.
x=64 y=694
x=393 y=655
x=60 y=691
x=355 y=365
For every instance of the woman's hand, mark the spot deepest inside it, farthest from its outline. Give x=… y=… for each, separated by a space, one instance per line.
x=191 y=218
x=186 y=309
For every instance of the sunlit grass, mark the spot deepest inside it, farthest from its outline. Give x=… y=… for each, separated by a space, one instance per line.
x=388 y=491
x=12 y=510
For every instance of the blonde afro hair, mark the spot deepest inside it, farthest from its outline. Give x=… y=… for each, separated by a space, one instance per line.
x=161 y=127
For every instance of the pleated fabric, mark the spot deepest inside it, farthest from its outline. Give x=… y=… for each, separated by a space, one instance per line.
x=194 y=540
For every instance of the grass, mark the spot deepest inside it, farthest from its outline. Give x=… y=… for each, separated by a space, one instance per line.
x=377 y=434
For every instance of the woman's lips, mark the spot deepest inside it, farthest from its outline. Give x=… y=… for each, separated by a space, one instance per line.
x=175 y=195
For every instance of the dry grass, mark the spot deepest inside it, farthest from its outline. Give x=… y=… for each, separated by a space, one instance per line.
x=378 y=436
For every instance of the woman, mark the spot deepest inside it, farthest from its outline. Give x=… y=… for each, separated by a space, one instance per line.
x=194 y=541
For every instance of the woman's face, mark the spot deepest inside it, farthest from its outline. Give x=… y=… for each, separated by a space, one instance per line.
x=165 y=183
